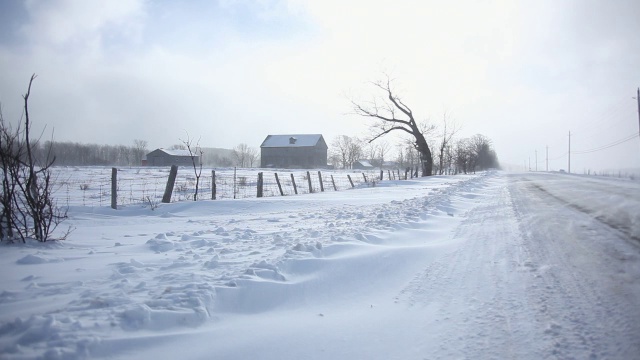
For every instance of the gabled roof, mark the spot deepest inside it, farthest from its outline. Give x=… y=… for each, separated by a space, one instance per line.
x=176 y=152
x=364 y=163
x=294 y=140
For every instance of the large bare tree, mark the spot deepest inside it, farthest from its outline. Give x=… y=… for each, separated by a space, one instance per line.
x=391 y=114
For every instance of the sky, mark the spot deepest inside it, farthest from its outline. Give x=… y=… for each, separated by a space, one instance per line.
x=522 y=73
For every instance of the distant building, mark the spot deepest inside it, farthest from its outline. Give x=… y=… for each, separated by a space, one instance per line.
x=294 y=151
x=362 y=165
x=164 y=157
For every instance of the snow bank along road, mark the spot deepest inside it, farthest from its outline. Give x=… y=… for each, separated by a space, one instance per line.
x=493 y=266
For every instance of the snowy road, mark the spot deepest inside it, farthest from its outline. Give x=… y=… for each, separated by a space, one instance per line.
x=495 y=266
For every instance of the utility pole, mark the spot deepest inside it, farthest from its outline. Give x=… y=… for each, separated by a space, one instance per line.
x=569 y=152
x=547 y=159
x=638 y=99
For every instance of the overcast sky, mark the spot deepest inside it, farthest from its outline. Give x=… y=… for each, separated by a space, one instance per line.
x=523 y=73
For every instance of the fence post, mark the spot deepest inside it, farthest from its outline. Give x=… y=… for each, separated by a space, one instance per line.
x=279 y=186
x=364 y=177
x=213 y=184
x=114 y=188
x=172 y=180
x=321 y=184
x=309 y=180
x=259 y=185
x=334 y=184
x=381 y=174
x=349 y=177
x=293 y=181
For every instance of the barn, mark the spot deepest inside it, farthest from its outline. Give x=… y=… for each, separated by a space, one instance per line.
x=303 y=151
x=164 y=157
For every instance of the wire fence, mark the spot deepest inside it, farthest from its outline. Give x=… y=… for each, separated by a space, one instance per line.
x=91 y=186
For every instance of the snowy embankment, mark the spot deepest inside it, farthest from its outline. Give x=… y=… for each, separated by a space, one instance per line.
x=428 y=268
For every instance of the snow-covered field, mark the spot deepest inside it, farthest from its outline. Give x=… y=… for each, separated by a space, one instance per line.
x=487 y=266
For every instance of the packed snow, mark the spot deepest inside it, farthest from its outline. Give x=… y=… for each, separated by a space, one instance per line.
x=486 y=266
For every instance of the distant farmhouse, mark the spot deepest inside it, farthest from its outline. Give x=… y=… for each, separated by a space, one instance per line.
x=362 y=165
x=294 y=151
x=164 y=157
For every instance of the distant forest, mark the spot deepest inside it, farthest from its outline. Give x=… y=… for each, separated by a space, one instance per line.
x=77 y=154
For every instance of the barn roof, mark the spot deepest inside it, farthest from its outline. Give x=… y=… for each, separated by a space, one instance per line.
x=177 y=152
x=294 y=140
x=364 y=163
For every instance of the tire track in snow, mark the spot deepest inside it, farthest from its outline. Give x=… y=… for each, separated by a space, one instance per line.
x=477 y=290
x=579 y=293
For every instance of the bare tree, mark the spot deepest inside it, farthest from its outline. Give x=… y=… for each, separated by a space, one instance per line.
x=244 y=155
x=195 y=152
x=139 y=150
x=383 y=149
x=464 y=156
x=348 y=149
x=484 y=157
x=391 y=114
x=28 y=207
x=252 y=156
x=449 y=130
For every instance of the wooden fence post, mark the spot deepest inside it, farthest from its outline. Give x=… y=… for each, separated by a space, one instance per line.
x=259 y=185
x=213 y=184
x=309 y=180
x=381 y=175
x=321 y=184
x=365 y=177
x=293 y=181
x=279 y=186
x=172 y=180
x=114 y=188
x=349 y=177
x=334 y=184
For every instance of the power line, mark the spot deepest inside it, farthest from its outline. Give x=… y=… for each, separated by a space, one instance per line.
x=610 y=145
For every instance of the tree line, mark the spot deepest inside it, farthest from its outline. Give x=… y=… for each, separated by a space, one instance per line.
x=454 y=156
x=69 y=153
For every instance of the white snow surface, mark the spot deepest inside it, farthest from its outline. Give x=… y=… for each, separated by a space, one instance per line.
x=486 y=266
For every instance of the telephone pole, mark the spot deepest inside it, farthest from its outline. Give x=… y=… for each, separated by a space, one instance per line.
x=569 y=170
x=638 y=99
x=547 y=159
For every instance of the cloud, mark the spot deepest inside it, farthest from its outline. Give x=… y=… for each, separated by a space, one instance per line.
x=522 y=73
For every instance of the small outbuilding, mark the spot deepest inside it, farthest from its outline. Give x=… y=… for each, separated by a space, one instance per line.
x=164 y=157
x=304 y=151
x=362 y=165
